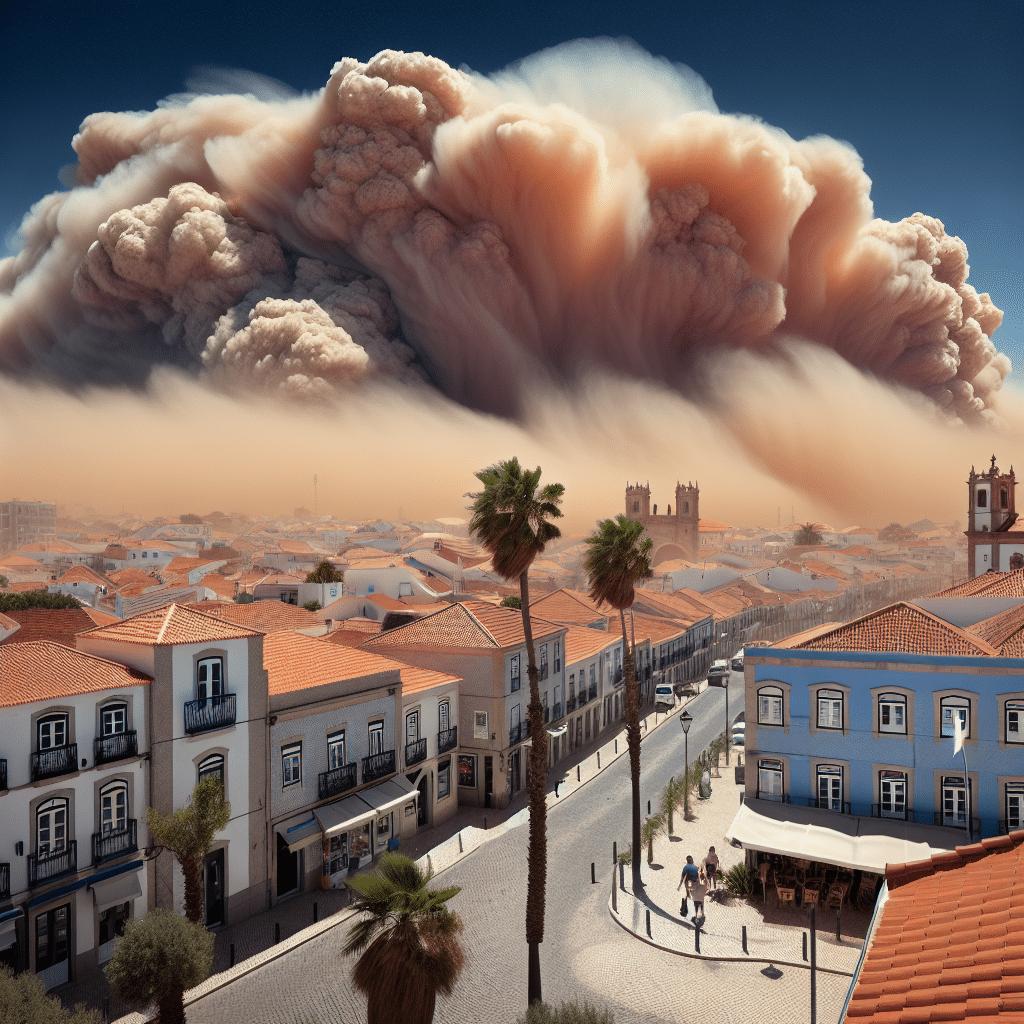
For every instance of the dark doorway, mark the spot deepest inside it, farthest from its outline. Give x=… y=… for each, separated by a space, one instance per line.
x=424 y=801
x=287 y=868
x=53 y=945
x=488 y=780
x=213 y=888
x=514 y=781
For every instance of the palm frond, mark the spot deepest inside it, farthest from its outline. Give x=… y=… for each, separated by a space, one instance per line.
x=618 y=558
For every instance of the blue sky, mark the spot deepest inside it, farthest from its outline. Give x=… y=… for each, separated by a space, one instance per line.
x=930 y=94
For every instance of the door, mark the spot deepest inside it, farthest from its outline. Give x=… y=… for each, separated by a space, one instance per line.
x=769 y=782
x=954 y=802
x=287 y=868
x=830 y=790
x=53 y=945
x=423 y=804
x=488 y=779
x=412 y=726
x=514 y=781
x=892 y=796
x=213 y=888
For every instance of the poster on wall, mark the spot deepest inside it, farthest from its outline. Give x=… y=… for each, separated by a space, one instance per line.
x=467 y=770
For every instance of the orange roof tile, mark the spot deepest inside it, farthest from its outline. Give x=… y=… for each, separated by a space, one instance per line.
x=100 y=618
x=83 y=574
x=582 y=642
x=1004 y=631
x=991 y=584
x=171 y=625
x=570 y=607
x=949 y=943
x=264 y=616
x=44 y=670
x=122 y=577
x=61 y=625
x=415 y=680
x=295 y=662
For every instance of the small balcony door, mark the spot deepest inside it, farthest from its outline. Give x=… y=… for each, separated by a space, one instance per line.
x=213 y=888
x=954 y=802
x=830 y=787
x=412 y=726
x=53 y=945
x=892 y=793
x=210 y=678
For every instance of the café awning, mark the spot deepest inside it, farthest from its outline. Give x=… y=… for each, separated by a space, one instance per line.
x=119 y=889
x=301 y=831
x=343 y=815
x=390 y=794
x=846 y=840
x=8 y=926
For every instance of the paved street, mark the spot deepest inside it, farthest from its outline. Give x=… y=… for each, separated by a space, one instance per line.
x=585 y=952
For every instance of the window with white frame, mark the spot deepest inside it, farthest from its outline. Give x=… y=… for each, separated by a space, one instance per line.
x=892 y=713
x=558 y=655
x=291 y=764
x=375 y=734
x=954 y=801
x=209 y=678
x=444 y=715
x=336 y=749
x=830 y=786
x=412 y=726
x=516 y=678
x=892 y=794
x=444 y=778
x=52 y=731
x=543 y=661
x=113 y=719
x=480 y=725
x=769 y=779
x=114 y=807
x=769 y=705
x=830 y=709
x=1014 y=712
x=572 y=686
x=1014 y=801
x=211 y=767
x=951 y=707
x=52 y=827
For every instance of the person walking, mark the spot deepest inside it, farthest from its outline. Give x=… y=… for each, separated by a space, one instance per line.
x=710 y=867
x=698 y=890
x=687 y=878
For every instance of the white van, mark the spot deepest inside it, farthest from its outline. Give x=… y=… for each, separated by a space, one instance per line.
x=664 y=695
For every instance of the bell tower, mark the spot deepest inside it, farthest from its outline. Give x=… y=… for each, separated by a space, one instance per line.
x=688 y=517
x=991 y=517
x=638 y=502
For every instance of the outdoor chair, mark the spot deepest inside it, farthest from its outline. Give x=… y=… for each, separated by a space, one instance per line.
x=785 y=890
x=837 y=894
x=812 y=892
x=762 y=875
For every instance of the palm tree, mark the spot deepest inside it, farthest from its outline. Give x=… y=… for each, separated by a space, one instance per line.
x=512 y=520
x=807 y=535
x=619 y=556
x=409 y=942
x=188 y=833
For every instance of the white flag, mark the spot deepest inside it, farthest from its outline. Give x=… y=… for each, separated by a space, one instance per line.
x=958 y=733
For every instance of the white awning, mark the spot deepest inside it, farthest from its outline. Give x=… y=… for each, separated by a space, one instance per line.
x=119 y=889
x=860 y=844
x=8 y=931
x=557 y=731
x=343 y=815
x=392 y=793
x=301 y=831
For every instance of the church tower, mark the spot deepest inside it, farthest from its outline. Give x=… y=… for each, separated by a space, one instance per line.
x=638 y=502
x=688 y=516
x=992 y=540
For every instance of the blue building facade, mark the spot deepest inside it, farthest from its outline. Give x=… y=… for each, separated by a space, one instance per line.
x=872 y=734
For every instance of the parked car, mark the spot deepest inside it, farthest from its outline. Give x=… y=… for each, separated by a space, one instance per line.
x=664 y=696
x=718 y=674
x=739 y=734
x=737 y=661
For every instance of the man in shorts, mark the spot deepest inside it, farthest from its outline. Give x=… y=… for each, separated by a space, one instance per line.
x=698 y=890
x=710 y=867
x=687 y=878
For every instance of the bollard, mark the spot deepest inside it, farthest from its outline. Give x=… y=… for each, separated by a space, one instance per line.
x=616 y=746
x=696 y=938
x=316 y=912
x=622 y=876
x=615 y=853
x=460 y=842
x=615 y=902
x=649 y=924
x=599 y=759
x=231 y=959
x=743 y=938
x=577 y=773
x=814 y=969
x=648 y=806
x=839 y=932
x=805 y=945
x=277 y=932
x=593 y=874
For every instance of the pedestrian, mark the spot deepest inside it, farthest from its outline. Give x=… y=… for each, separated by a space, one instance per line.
x=687 y=878
x=698 y=890
x=558 y=782
x=710 y=866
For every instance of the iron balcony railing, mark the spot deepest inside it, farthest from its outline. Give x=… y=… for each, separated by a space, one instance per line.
x=570 y=705
x=617 y=678
x=447 y=739
x=1006 y=826
x=5 y=881
x=116 y=747
x=376 y=766
x=44 y=866
x=557 y=713
x=592 y=692
x=547 y=714
x=839 y=806
x=892 y=810
x=107 y=845
x=337 y=780
x=415 y=752
x=3 y=773
x=56 y=761
x=778 y=798
x=209 y=713
x=956 y=821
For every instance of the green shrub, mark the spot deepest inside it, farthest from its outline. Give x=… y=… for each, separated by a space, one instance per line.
x=739 y=880
x=23 y=1000
x=312 y=606
x=512 y=601
x=574 y=1012
x=35 y=599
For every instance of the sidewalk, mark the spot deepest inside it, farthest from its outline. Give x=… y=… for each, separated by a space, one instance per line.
x=773 y=935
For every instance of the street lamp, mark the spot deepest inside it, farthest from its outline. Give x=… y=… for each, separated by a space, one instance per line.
x=727 y=737
x=684 y=720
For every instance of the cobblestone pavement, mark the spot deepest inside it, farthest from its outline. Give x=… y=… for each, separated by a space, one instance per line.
x=585 y=953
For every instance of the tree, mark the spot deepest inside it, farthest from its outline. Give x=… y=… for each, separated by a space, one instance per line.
x=325 y=573
x=243 y=598
x=159 y=958
x=893 y=533
x=512 y=520
x=312 y=606
x=35 y=599
x=188 y=833
x=23 y=1000
x=409 y=941
x=807 y=535
x=619 y=556
x=190 y=517
x=567 y=1013
x=512 y=601
x=3 y=581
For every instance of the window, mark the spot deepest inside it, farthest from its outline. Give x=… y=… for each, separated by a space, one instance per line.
x=892 y=713
x=114 y=807
x=558 y=655
x=209 y=678
x=954 y=801
x=444 y=778
x=830 y=709
x=444 y=716
x=572 y=686
x=1014 y=805
x=593 y=680
x=51 y=827
x=892 y=794
x=467 y=771
x=830 y=786
x=113 y=719
x=950 y=706
x=543 y=661
x=52 y=731
x=516 y=681
x=336 y=749
x=291 y=764
x=112 y=922
x=145 y=554
x=769 y=780
x=1004 y=497
x=982 y=499
x=376 y=738
x=480 y=725
x=412 y=726
x=769 y=705
x=211 y=767
x=1015 y=721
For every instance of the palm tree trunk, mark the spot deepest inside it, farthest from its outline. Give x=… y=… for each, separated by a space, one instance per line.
x=633 y=741
x=172 y=1006
x=193 y=889
x=537 y=857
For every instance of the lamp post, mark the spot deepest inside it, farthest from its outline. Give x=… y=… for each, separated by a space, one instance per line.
x=728 y=738
x=684 y=720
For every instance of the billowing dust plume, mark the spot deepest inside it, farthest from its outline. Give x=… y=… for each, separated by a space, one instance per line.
x=588 y=212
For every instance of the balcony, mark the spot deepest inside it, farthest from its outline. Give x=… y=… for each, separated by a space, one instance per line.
x=557 y=713
x=337 y=780
x=617 y=678
x=447 y=739
x=570 y=705
x=376 y=766
x=209 y=713
x=891 y=810
x=957 y=821
x=415 y=752
x=518 y=732
x=3 y=773
x=837 y=806
x=5 y=881
x=43 y=867
x=592 y=692
x=775 y=798
x=46 y=764
x=107 y=845
x=116 y=747
x=1006 y=826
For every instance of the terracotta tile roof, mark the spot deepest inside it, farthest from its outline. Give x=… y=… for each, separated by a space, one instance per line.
x=352 y=632
x=900 y=627
x=171 y=625
x=582 y=643
x=653 y=627
x=570 y=607
x=100 y=618
x=295 y=662
x=506 y=624
x=7 y=623
x=949 y=943
x=122 y=577
x=186 y=565
x=264 y=616
x=44 y=670
x=83 y=574
x=991 y=584
x=1005 y=631
x=712 y=526
x=61 y=625
x=383 y=601
x=415 y=680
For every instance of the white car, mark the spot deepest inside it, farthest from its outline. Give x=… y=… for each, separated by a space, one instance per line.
x=718 y=674
x=664 y=695
x=739 y=734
